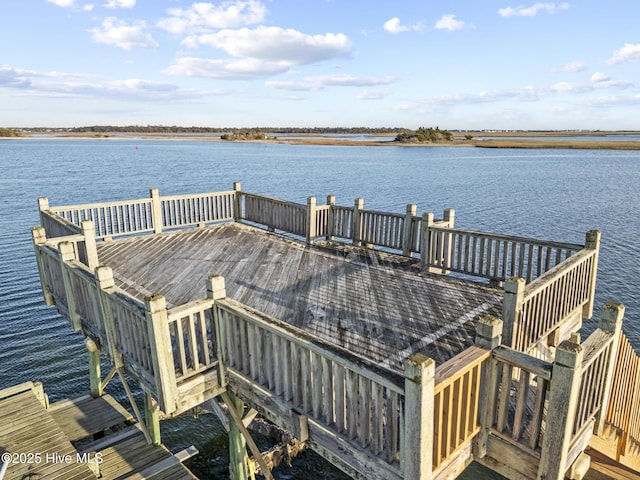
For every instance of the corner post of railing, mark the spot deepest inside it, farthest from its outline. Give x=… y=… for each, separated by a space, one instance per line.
x=311 y=220
x=39 y=237
x=563 y=401
x=417 y=449
x=43 y=206
x=331 y=214
x=356 y=228
x=91 y=250
x=611 y=318
x=488 y=336
x=157 y=317
x=237 y=202
x=68 y=254
x=425 y=241
x=156 y=210
x=216 y=290
x=407 y=239
x=512 y=305
x=592 y=242
x=449 y=217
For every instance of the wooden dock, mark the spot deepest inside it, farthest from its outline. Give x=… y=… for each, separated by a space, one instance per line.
x=57 y=441
x=394 y=344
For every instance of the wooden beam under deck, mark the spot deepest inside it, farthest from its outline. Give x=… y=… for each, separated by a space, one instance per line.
x=352 y=300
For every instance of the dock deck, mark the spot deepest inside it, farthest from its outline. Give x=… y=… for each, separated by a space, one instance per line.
x=380 y=311
x=344 y=327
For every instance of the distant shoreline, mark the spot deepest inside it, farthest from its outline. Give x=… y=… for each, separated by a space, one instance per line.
x=316 y=139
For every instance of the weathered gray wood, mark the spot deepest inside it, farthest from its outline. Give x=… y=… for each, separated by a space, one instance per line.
x=563 y=396
x=512 y=309
x=488 y=336
x=161 y=352
x=425 y=241
x=234 y=405
x=152 y=419
x=95 y=378
x=356 y=228
x=407 y=244
x=156 y=210
x=67 y=254
x=592 y=242
x=610 y=321
x=89 y=234
x=417 y=461
x=311 y=220
x=39 y=237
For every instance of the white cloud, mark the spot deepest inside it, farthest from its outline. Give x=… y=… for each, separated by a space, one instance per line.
x=202 y=17
x=599 y=77
x=120 y=4
x=394 y=26
x=532 y=11
x=62 y=84
x=573 y=67
x=449 y=22
x=276 y=44
x=320 y=82
x=246 y=68
x=372 y=95
x=63 y=3
x=71 y=4
x=119 y=33
x=628 y=53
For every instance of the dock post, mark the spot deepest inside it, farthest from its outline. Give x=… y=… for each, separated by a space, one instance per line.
x=39 y=237
x=417 y=455
x=563 y=399
x=512 y=310
x=610 y=321
x=449 y=217
x=156 y=210
x=407 y=241
x=152 y=419
x=89 y=234
x=216 y=290
x=237 y=202
x=425 y=241
x=489 y=336
x=356 y=228
x=155 y=307
x=331 y=201
x=238 y=457
x=67 y=254
x=43 y=206
x=95 y=377
x=592 y=242
x=311 y=220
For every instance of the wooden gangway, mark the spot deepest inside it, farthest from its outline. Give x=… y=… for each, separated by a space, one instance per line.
x=395 y=345
x=58 y=441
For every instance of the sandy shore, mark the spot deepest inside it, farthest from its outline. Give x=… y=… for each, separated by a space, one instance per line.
x=486 y=142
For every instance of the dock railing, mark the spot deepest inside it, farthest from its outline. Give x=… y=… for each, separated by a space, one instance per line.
x=522 y=396
x=533 y=312
x=619 y=429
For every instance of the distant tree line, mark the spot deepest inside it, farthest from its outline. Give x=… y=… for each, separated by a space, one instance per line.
x=205 y=130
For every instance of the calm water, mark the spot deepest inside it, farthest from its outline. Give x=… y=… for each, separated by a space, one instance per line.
x=550 y=194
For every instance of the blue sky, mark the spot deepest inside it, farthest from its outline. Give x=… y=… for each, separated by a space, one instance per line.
x=244 y=63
